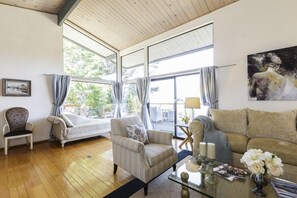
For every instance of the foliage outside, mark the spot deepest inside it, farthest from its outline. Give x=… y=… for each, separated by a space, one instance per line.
x=131 y=104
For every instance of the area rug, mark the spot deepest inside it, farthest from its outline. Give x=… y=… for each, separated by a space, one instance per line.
x=134 y=187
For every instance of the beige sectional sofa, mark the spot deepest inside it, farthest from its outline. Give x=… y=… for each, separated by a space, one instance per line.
x=245 y=128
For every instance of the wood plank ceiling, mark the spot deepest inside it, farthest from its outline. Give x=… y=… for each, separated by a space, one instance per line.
x=123 y=23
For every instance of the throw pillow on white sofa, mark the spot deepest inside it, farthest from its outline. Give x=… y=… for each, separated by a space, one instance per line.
x=76 y=119
x=66 y=120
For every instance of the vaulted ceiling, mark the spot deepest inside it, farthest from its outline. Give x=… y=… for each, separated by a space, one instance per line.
x=123 y=23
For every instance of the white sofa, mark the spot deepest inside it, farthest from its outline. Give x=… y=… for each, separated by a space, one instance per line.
x=69 y=127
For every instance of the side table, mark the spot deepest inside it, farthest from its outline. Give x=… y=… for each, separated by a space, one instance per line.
x=188 y=139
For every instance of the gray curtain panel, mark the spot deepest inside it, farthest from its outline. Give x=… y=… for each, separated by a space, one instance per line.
x=60 y=87
x=208 y=91
x=143 y=92
x=117 y=89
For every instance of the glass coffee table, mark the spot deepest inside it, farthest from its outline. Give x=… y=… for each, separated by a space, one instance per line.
x=222 y=188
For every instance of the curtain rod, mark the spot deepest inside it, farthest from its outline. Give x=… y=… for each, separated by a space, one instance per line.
x=229 y=65
x=90 y=80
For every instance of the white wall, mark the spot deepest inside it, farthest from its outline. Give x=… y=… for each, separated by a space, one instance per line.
x=30 y=45
x=242 y=28
x=247 y=27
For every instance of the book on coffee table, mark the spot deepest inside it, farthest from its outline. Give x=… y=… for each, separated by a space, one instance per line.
x=284 y=188
x=229 y=172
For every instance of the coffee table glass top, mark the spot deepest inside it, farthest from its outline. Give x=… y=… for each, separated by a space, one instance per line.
x=222 y=188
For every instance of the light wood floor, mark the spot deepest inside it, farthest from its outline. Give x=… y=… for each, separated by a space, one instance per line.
x=81 y=169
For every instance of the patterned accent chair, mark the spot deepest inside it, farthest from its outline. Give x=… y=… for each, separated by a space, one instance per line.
x=143 y=161
x=16 y=126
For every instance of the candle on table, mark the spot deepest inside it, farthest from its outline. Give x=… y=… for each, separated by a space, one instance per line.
x=211 y=150
x=202 y=148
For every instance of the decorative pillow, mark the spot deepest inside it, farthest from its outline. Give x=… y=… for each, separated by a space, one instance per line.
x=232 y=121
x=137 y=132
x=279 y=125
x=66 y=120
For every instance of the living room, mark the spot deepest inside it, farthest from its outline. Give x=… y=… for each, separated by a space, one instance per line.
x=32 y=48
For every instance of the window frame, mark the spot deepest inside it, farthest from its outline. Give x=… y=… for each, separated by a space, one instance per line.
x=144 y=65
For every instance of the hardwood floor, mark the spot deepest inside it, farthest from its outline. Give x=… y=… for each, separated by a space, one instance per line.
x=80 y=169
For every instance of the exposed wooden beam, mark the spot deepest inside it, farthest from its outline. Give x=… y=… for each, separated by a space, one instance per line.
x=66 y=10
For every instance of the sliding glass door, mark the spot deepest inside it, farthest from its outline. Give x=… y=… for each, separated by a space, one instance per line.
x=167 y=102
x=162 y=110
x=186 y=86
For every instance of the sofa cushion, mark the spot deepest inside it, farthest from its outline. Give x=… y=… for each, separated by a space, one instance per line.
x=157 y=153
x=279 y=125
x=137 y=132
x=237 y=142
x=283 y=149
x=66 y=120
x=232 y=121
x=76 y=119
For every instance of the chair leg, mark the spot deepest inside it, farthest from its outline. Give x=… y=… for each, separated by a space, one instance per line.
x=145 y=189
x=174 y=167
x=31 y=142
x=5 y=146
x=115 y=168
x=27 y=140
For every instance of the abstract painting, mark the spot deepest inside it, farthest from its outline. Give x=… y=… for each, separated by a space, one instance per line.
x=272 y=75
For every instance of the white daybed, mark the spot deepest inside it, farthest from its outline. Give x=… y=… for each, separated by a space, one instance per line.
x=69 y=127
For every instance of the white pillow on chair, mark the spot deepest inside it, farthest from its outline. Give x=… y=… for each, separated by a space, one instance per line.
x=137 y=132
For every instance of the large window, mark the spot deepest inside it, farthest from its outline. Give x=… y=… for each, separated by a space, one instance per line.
x=185 y=52
x=93 y=68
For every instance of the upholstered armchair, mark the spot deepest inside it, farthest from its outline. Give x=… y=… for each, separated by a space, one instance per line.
x=16 y=126
x=144 y=161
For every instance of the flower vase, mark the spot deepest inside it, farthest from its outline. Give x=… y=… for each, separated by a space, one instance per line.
x=259 y=180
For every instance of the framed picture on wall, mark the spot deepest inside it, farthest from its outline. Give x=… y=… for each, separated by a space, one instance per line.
x=15 y=87
x=272 y=75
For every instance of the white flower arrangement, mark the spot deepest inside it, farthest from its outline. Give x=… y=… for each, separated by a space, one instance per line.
x=259 y=162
